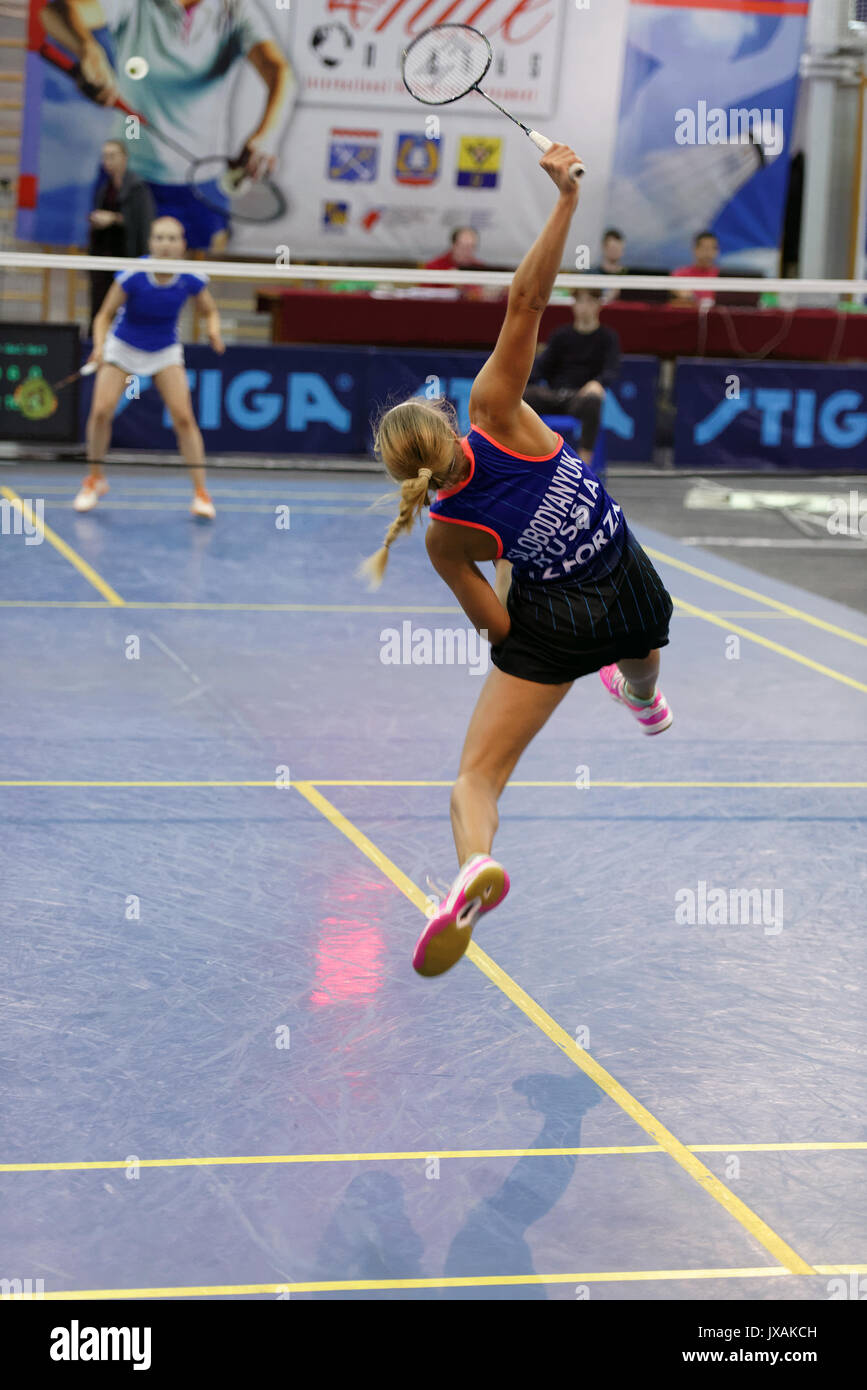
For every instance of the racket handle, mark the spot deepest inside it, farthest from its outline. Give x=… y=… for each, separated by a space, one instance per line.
x=544 y=144
x=66 y=64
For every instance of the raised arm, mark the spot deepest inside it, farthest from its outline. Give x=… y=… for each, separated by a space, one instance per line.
x=498 y=389
x=72 y=23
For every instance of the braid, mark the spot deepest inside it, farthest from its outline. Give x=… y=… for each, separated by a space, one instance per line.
x=416 y=439
x=413 y=497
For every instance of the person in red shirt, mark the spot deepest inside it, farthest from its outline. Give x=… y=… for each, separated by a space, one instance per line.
x=705 y=252
x=462 y=256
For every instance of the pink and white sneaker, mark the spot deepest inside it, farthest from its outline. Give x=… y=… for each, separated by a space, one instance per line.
x=653 y=715
x=480 y=886
x=89 y=493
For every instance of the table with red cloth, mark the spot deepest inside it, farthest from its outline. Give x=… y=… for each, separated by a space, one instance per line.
x=664 y=330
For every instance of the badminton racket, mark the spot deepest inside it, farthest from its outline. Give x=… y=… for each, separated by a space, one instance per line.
x=243 y=198
x=35 y=399
x=447 y=62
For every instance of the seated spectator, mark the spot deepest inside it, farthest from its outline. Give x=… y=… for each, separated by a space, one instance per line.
x=705 y=252
x=577 y=366
x=462 y=256
x=123 y=209
x=613 y=246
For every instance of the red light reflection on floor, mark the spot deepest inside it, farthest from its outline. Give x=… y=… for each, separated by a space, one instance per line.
x=349 y=952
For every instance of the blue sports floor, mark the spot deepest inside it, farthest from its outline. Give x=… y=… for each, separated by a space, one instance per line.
x=222 y=1077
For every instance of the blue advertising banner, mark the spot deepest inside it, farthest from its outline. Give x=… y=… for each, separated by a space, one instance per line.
x=289 y=400
x=628 y=412
x=255 y=400
x=707 y=112
x=770 y=415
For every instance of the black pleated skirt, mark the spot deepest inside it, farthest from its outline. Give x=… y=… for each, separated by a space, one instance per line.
x=570 y=627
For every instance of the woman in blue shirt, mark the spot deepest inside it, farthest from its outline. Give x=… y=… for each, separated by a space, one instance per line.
x=584 y=596
x=135 y=334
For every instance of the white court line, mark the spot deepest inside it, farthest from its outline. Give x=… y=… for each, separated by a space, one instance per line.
x=768 y=543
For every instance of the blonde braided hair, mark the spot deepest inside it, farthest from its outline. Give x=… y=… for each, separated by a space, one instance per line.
x=416 y=441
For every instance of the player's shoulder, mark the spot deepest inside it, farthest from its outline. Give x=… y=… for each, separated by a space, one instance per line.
x=195 y=280
x=128 y=279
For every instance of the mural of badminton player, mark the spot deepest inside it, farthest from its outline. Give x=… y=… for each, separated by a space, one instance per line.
x=193 y=49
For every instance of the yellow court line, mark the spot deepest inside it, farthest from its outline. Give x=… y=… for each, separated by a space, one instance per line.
x=750 y=1221
x=194 y=607
x=253 y=508
x=237 y=607
x=60 y=545
x=350 y=1285
x=95 y=783
x=772 y=646
x=758 y=596
x=399 y=782
x=423 y=1155
x=465 y=1282
x=590 y=783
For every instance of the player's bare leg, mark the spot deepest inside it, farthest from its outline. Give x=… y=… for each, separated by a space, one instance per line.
x=107 y=390
x=174 y=388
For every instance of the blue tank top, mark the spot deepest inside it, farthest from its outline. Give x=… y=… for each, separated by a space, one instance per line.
x=149 y=318
x=551 y=517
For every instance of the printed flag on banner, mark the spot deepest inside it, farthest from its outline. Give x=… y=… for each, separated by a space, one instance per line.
x=417 y=161
x=479 y=161
x=707 y=111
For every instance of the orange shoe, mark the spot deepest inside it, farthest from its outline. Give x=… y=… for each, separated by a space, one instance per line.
x=89 y=493
x=202 y=504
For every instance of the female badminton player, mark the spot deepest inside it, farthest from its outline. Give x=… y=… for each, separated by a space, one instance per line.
x=584 y=596
x=135 y=333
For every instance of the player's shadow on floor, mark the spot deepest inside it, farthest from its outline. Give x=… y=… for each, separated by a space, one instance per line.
x=371 y=1236
x=491 y=1241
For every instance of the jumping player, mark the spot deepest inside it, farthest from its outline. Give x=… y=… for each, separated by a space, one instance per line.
x=135 y=333
x=584 y=596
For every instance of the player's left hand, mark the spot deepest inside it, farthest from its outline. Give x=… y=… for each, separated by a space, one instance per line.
x=217 y=344
x=257 y=159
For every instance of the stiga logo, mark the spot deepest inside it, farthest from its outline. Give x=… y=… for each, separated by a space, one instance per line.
x=256 y=400
x=808 y=417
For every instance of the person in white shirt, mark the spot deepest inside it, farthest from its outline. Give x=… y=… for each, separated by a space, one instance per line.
x=192 y=48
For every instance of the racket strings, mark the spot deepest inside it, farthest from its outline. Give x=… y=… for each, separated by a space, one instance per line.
x=226 y=189
x=35 y=399
x=445 y=63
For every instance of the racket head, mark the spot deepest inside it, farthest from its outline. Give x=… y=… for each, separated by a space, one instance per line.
x=222 y=186
x=445 y=62
x=35 y=399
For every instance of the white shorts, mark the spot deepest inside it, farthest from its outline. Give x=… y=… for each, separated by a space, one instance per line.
x=136 y=361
